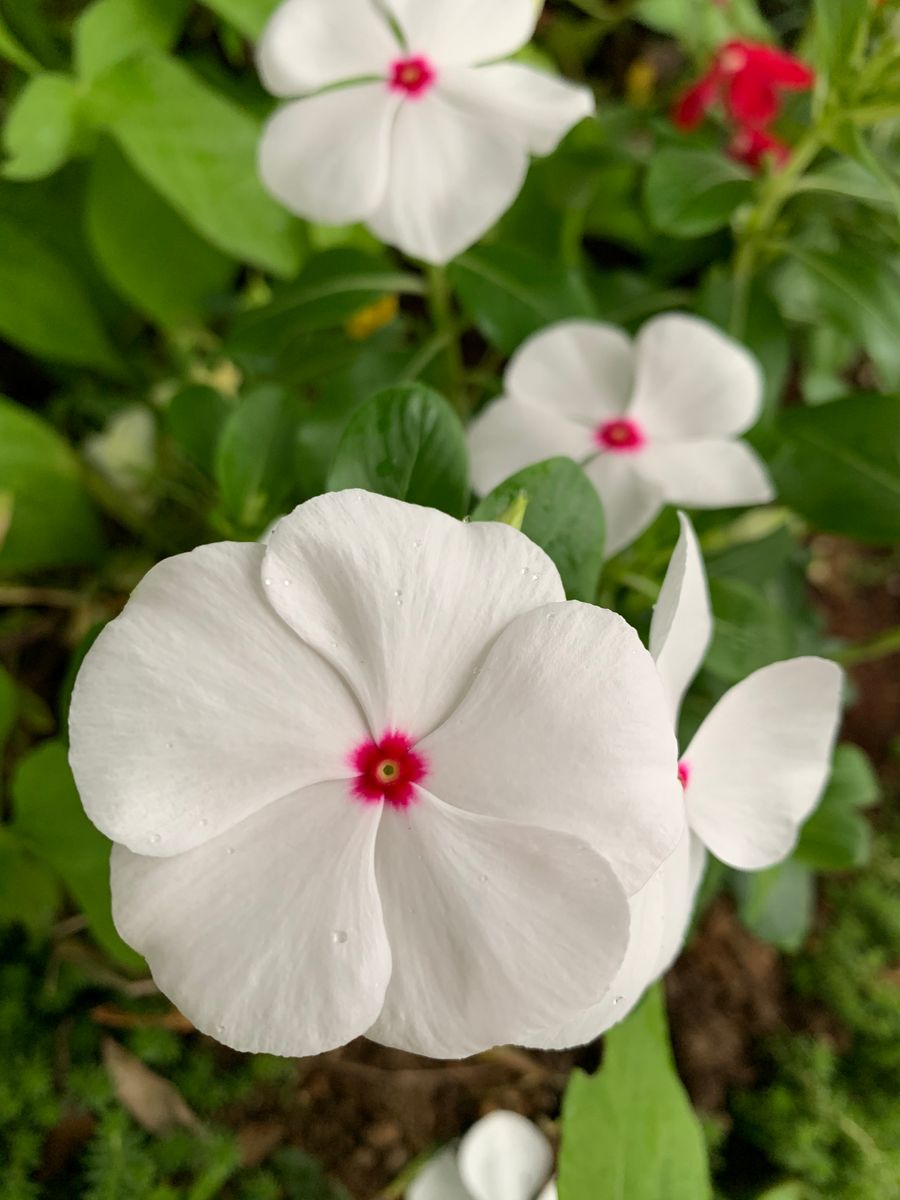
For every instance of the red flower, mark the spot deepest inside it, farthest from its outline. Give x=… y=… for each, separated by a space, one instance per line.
x=748 y=78
x=753 y=146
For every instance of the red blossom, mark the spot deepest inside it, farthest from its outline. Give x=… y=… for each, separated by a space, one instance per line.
x=748 y=79
x=753 y=146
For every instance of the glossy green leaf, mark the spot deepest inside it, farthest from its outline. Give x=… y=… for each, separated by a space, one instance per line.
x=751 y=631
x=564 y=517
x=110 y=31
x=838 y=26
x=29 y=891
x=704 y=27
x=689 y=193
x=629 y=1131
x=254 y=457
x=41 y=128
x=839 y=466
x=408 y=443
x=837 y=836
x=777 y=905
x=14 y=52
x=198 y=150
x=194 y=418
x=52 y=522
x=249 y=16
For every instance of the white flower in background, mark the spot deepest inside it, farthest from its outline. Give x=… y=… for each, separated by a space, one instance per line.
x=406 y=123
x=655 y=421
x=502 y=1157
x=125 y=452
x=375 y=776
x=752 y=775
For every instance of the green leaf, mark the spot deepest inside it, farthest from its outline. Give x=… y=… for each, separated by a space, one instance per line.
x=9 y=707
x=148 y=253
x=29 y=892
x=41 y=128
x=44 y=308
x=194 y=419
x=13 y=51
x=564 y=517
x=838 y=27
x=628 y=1132
x=704 y=27
x=836 y=837
x=511 y=293
x=110 y=31
x=750 y=631
x=777 y=905
x=840 y=466
x=249 y=16
x=52 y=522
x=405 y=442
x=50 y=821
x=198 y=150
x=254 y=458
x=689 y=193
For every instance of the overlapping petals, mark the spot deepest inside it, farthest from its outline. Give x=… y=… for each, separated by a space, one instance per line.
x=502 y=1157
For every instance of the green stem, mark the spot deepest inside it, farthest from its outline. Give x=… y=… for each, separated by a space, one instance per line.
x=882 y=646
x=441 y=303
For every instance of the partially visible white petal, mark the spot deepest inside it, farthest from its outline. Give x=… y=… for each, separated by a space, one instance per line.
x=631 y=501
x=537 y=108
x=452 y=176
x=511 y=434
x=309 y=44
x=760 y=760
x=681 y=877
x=581 y=370
x=270 y=937
x=404 y=601
x=439 y=1179
x=492 y=927
x=693 y=381
x=466 y=31
x=549 y=1192
x=198 y=706
x=567 y=727
x=682 y=624
x=708 y=474
x=326 y=158
x=504 y=1157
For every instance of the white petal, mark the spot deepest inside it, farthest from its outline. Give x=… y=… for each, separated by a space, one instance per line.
x=682 y=876
x=567 y=727
x=309 y=44
x=198 y=706
x=511 y=434
x=269 y=938
x=537 y=108
x=682 y=624
x=693 y=381
x=707 y=474
x=760 y=761
x=452 y=176
x=549 y=1192
x=631 y=501
x=466 y=31
x=405 y=601
x=491 y=926
x=439 y=1179
x=326 y=158
x=504 y=1157
x=582 y=370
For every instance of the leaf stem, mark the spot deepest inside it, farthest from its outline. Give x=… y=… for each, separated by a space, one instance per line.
x=882 y=646
x=441 y=303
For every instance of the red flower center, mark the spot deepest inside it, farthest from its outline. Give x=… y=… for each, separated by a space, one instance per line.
x=621 y=436
x=684 y=773
x=387 y=770
x=412 y=76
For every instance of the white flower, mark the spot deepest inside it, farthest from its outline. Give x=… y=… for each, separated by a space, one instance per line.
x=364 y=779
x=752 y=775
x=125 y=452
x=420 y=139
x=502 y=1157
x=654 y=421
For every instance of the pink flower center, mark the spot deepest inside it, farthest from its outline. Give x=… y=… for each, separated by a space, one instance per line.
x=684 y=774
x=412 y=76
x=621 y=436
x=387 y=770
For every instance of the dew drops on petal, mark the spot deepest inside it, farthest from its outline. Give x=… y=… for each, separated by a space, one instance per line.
x=155 y=838
x=339 y=937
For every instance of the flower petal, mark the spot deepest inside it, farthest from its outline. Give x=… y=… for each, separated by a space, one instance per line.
x=631 y=501
x=466 y=31
x=511 y=434
x=439 y=1179
x=549 y=1192
x=708 y=474
x=405 y=601
x=682 y=875
x=504 y=1157
x=198 y=706
x=492 y=926
x=326 y=158
x=581 y=370
x=537 y=108
x=452 y=176
x=693 y=381
x=760 y=761
x=682 y=624
x=567 y=727
x=270 y=938
x=309 y=44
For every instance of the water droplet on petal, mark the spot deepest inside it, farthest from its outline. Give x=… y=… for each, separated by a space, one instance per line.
x=525 y=570
x=155 y=839
x=418 y=545
x=483 y=878
x=618 y=1000
x=203 y=822
x=220 y=1028
x=230 y=851
x=170 y=745
x=286 y=582
x=535 y=578
x=339 y=937
x=267 y=582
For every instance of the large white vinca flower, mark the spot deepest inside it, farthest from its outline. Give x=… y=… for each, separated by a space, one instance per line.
x=655 y=421
x=375 y=776
x=752 y=775
x=405 y=122
x=502 y=1157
